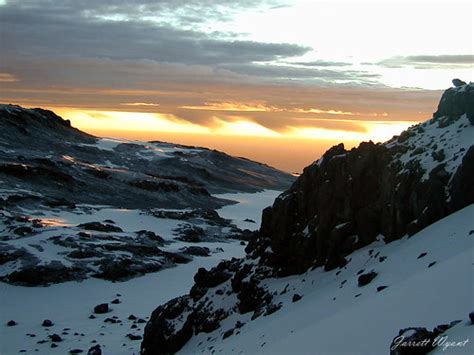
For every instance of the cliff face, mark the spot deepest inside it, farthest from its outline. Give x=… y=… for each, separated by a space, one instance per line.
x=343 y=201
x=348 y=198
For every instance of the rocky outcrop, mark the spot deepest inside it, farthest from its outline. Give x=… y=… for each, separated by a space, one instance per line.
x=348 y=198
x=345 y=200
x=456 y=101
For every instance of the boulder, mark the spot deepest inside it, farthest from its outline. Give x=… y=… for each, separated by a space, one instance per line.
x=101 y=308
x=366 y=278
x=47 y=323
x=100 y=227
x=95 y=350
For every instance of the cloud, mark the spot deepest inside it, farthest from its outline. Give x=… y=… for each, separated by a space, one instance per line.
x=139 y=104
x=233 y=107
x=75 y=29
x=135 y=41
x=430 y=61
x=321 y=63
x=306 y=74
x=7 y=78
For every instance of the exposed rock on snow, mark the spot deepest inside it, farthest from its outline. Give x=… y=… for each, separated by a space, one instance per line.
x=367 y=278
x=101 y=308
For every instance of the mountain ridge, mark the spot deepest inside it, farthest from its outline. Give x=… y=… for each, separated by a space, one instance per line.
x=43 y=153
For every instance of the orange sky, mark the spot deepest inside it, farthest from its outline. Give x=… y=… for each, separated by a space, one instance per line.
x=287 y=127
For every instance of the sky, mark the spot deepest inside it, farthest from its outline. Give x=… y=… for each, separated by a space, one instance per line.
x=278 y=81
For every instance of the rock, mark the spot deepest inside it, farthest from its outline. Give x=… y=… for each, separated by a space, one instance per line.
x=438 y=155
x=422 y=255
x=152 y=236
x=134 y=337
x=458 y=82
x=455 y=102
x=23 y=231
x=252 y=298
x=228 y=333
x=412 y=341
x=191 y=234
x=76 y=351
x=55 y=338
x=380 y=288
x=141 y=321
x=83 y=254
x=471 y=317
x=101 y=308
x=47 y=323
x=212 y=278
x=54 y=345
x=367 y=278
x=91 y=316
x=43 y=275
x=197 y=251
x=462 y=188
x=11 y=323
x=100 y=227
x=296 y=298
x=61 y=202
x=95 y=350
x=132 y=317
x=116 y=301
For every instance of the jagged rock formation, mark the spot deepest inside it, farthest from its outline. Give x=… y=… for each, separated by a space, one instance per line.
x=347 y=198
x=340 y=203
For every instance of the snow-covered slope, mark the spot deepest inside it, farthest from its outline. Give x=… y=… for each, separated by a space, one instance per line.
x=428 y=279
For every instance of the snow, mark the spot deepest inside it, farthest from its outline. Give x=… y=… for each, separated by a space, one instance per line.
x=127 y=219
x=454 y=340
x=69 y=304
x=329 y=319
x=250 y=206
x=453 y=139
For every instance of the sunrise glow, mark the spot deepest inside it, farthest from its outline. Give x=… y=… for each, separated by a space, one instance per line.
x=267 y=71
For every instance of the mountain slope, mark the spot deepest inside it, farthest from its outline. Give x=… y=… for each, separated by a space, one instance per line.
x=336 y=316
x=74 y=206
x=344 y=202
x=41 y=152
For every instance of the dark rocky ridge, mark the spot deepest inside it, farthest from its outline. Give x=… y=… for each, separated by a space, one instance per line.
x=340 y=203
x=348 y=198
